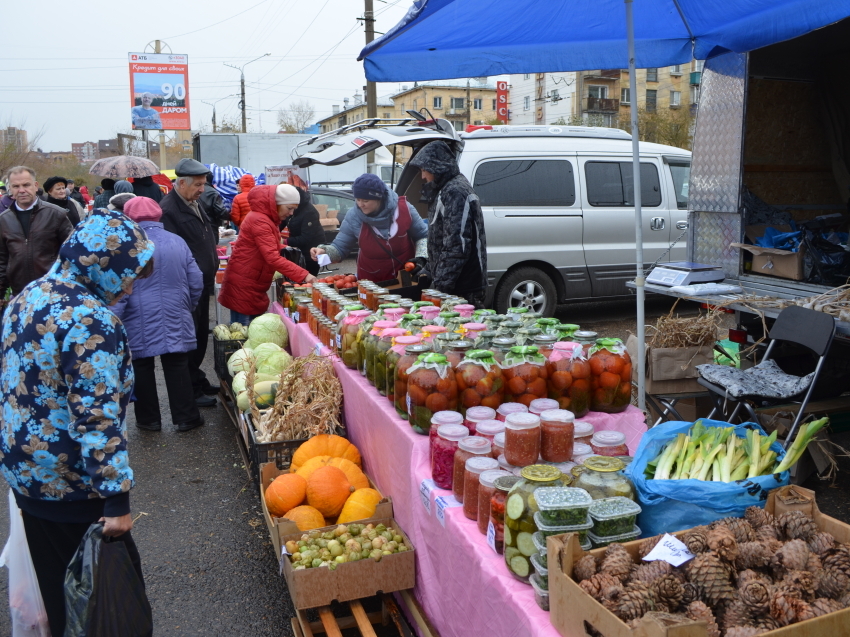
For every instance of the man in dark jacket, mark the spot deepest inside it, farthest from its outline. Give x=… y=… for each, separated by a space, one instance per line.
x=102 y=200
x=184 y=215
x=147 y=187
x=22 y=260
x=305 y=230
x=457 y=246
x=214 y=204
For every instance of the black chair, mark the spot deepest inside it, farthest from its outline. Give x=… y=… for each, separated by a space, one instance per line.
x=811 y=329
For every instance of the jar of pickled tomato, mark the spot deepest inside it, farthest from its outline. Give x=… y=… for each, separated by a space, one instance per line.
x=396 y=351
x=431 y=387
x=524 y=371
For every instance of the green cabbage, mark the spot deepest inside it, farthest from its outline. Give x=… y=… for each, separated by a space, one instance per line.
x=240 y=361
x=268 y=328
x=271 y=359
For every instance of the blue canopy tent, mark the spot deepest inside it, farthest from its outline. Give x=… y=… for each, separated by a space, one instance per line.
x=441 y=39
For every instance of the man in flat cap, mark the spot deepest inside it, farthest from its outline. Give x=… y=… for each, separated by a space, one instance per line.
x=184 y=215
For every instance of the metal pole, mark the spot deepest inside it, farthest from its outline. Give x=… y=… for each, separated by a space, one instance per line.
x=242 y=81
x=371 y=87
x=162 y=155
x=468 y=106
x=639 y=278
x=214 y=128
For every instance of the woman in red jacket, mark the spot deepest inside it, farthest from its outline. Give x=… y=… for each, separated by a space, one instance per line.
x=256 y=254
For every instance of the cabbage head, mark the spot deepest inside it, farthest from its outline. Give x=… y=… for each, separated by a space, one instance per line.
x=271 y=359
x=240 y=361
x=268 y=328
x=240 y=381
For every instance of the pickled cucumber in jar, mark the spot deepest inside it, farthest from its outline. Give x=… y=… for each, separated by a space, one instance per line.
x=603 y=478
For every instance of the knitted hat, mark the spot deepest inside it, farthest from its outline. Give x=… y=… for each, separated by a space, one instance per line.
x=142 y=209
x=286 y=194
x=122 y=186
x=108 y=184
x=368 y=186
x=52 y=181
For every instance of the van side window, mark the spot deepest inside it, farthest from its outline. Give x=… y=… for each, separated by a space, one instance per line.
x=525 y=182
x=681 y=173
x=610 y=184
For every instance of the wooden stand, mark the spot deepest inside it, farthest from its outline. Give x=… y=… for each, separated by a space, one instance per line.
x=333 y=626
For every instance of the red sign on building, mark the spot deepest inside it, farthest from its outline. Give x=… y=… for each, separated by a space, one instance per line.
x=502 y=104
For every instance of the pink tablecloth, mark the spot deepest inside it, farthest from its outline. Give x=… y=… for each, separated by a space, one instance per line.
x=461 y=583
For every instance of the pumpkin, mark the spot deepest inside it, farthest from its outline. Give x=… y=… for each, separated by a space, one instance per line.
x=360 y=505
x=285 y=492
x=325 y=445
x=305 y=518
x=327 y=491
x=355 y=476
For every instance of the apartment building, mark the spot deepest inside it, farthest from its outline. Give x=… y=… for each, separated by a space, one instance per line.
x=15 y=138
x=84 y=151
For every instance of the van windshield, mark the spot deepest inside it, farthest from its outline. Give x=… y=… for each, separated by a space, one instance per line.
x=681 y=173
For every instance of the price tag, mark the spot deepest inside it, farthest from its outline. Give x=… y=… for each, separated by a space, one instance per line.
x=491 y=536
x=318 y=349
x=339 y=341
x=286 y=312
x=296 y=317
x=444 y=502
x=670 y=550
x=363 y=295
x=283 y=556
x=425 y=489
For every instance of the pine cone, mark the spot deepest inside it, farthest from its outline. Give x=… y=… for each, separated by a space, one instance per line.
x=735 y=614
x=635 y=601
x=791 y=557
x=825 y=606
x=699 y=612
x=758 y=517
x=832 y=583
x=802 y=581
x=741 y=529
x=721 y=540
x=669 y=591
x=837 y=558
x=747 y=576
x=755 y=595
x=617 y=562
x=753 y=555
x=767 y=623
x=648 y=572
x=585 y=568
x=844 y=600
x=690 y=593
x=696 y=539
x=712 y=578
x=767 y=532
x=796 y=525
x=744 y=631
x=647 y=545
x=813 y=564
x=594 y=585
x=789 y=610
x=821 y=542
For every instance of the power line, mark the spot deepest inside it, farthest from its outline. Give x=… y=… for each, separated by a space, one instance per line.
x=303 y=31
x=171 y=37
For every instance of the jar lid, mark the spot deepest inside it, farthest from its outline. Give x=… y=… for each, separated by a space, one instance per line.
x=524 y=350
x=417 y=348
x=384 y=324
x=449 y=336
x=452 y=432
x=504 y=341
x=464 y=307
x=505 y=409
x=507 y=466
x=446 y=315
x=480 y=354
x=545 y=339
x=499 y=438
x=395 y=312
x=388 y=306
x=518 y=421
x=418 y=304
x=434 y=329
x=557 y=415
x=433 y=358
x=489 y=477
x=582 y=429
x=585 y=334
x=581 y=449
x=604 y=463
x=488 y=426
x=547 y=321
x=517 y=310
x=495 y=318
x=531 y=331
x=483 y=311
x=411 y=317
x=572 y=327
x=608 y=438
x=477 y=414
x=447 y=417
x=475 y=327
x=475 y=444
x=352 y=308
x=541 y=473
x=512 y=325
x=407 y=339
x=393 y=332
x=505 y=483
x=463 y=344
x=539 y=405
x=479 y=464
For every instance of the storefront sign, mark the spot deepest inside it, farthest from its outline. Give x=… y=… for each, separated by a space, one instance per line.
x=502 y=108
x=159 y=91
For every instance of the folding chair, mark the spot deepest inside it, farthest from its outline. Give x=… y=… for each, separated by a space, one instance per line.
x=766 y=382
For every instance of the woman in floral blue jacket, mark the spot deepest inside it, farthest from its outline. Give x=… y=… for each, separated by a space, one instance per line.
x=66 y=381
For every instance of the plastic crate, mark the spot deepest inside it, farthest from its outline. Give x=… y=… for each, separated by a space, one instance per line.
x=222 y=351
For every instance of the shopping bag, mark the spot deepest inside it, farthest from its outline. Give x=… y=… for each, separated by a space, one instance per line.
x=104 y=596
x=675 y=505
x=29 y=619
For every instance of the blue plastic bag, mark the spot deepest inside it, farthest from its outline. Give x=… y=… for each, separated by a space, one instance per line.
x=674 y=505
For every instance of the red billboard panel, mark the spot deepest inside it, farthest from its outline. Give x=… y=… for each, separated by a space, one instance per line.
x=159 y=91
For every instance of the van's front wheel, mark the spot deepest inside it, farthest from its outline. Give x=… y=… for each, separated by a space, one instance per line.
x=527 y=287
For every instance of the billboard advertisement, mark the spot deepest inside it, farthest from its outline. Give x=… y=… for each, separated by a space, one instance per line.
x=502 y=108
x=159 y=91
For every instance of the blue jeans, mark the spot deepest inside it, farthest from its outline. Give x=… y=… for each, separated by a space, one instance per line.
x=238 y=317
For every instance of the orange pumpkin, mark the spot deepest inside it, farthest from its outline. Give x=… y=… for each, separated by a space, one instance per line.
x=355 y=476
x=325 y=445
x=360 y=505
x=327 y=491
x=306 y=518
x=285 y=492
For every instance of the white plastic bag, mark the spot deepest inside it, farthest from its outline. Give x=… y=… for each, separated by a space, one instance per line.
x=29 y=619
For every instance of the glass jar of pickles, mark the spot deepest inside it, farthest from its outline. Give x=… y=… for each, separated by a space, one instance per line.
x=346 y=336
x=517 y=313
x=392 y=357
x=385 y=342
x=603 y=478
x=456 y=351
x=556 y=435
x=522 y=439
x=362 y=333
x=403 y=364
x=502 y=346
x=524 y=371
x=429 y=313
x=509 y=328
x=525 y=335
x=611 y=376
x=443 y=318
x=503 y=485
x=549 y=326
x=469 y=447
x=484 y=340
x=405 y=321
x=431 y=387
x=475 y=415
x=431 y=332
x=544 y=343
x=493 y=321
x=371 y=347
x=569 y=377
x=520 y=507
x=443 y=448
x=480 y=381
x=444 y=340
x=530 y=318
x=394 y=313
x=586 y=338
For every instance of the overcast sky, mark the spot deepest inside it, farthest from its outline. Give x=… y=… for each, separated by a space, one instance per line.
x=67 y=74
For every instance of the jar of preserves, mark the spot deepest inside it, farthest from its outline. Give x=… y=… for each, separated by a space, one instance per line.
x=329 y=334
x=316 y=294
x=420 y=304
x=484 y=339
x=520 y=526
x=442 y=341
x=569 y=377
x=556 y=435
x=362 y=284
x=475 y=466
x=449 y=301
x=530 y=318
x=524 y=371
x=544 y=344
x=464 y=309
x=603 y=478
x=444 y=418
x=539 y=405
x=499 y=444
x=583 y=432
x=587 y=338
x=549 y=326
x=371 y=347
x=475 y=415
x=480 y=381
x=502 y=346
x=302 y=309
x=383 y=307
x=494 y=321
x=486 y=490
x=503 y=485
x=525 y=335
x=611 y=376
x=506 y=409
x=385 y=342
x=472 y=330
x=479 y=315
x=427 y=296
x=405 y=320
x=522 y=439
x=392 y=357
x=443 y=448
x=390 y=298
x=507 y=466
x=517 y=313
x=458 y=325
x=456 y=351
x=394 y=313
x=402 y=366
x=609 y=443
x=488 y=428
x=431 y=387
x=363 y=331
x=443 y=318
x=429 y=313
x=430 y=332
x=566 y=331
x=333 y=306
x=469 y=447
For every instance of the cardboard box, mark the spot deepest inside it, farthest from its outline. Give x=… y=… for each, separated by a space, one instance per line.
x=670 y=370
x=313 y=587
x=574 y=613
x=279 y=527
x=782 y=264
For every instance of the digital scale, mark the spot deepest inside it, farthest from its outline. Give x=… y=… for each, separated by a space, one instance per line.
x=685 y=273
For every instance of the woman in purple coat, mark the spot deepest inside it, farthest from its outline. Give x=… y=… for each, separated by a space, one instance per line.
x=158 y=320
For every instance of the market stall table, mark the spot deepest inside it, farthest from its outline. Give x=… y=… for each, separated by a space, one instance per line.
x=463 y=585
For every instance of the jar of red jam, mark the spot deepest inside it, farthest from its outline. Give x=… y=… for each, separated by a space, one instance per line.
x=499 y=444
x=522 y=439
x=469 y=447
x=583 y=432
x=474 y=415
x=506 y=409
x=473 y=469
x=486 y=489
x=497 y=508
x=489 y=427
x=540 y=405
x=609 y=443
x=556 y=435
x=444 y=418
x=443 y=448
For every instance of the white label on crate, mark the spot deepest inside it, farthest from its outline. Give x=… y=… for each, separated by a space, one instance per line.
x=296 y=317
x=425 y=488
x=670 y=550
x=491 y=536
x=444 y=502
x=283 y=556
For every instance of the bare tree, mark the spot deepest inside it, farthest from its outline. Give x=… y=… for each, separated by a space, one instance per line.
x=296 y=117
x=13 y=154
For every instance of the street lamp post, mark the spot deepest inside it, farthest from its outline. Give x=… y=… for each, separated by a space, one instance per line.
x=241 y=70
x=213 y=103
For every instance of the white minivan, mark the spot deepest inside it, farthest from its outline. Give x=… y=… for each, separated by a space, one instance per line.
x=557 y=201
